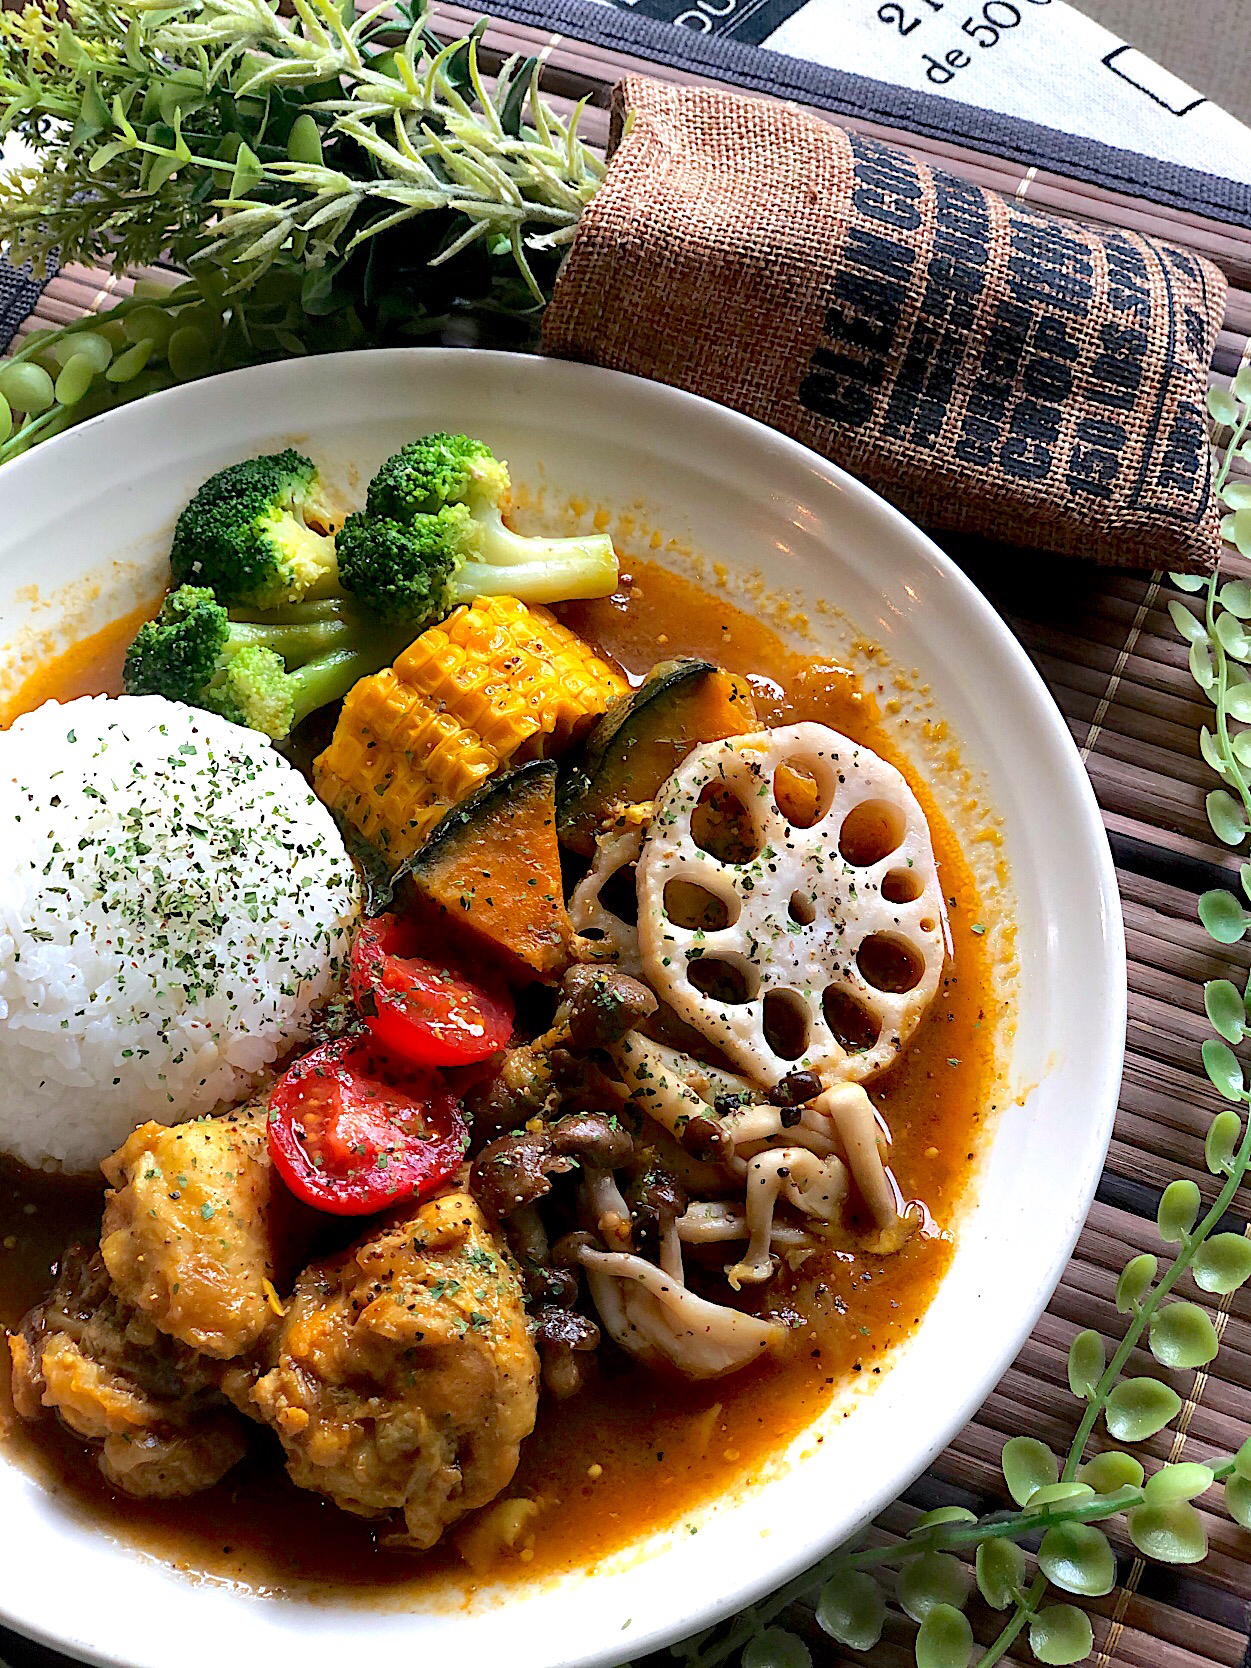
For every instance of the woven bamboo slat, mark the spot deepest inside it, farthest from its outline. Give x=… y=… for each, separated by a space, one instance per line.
x=1108 y=651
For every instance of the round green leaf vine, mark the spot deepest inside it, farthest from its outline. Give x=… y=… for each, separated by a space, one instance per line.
x=1061 y=1500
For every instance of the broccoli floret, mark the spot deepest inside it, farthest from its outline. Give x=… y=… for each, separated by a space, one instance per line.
x=404 y=575
x=432 y=536
x=247 y=535
x=268 y=676
x=178 y=653
x=436 y=470
x=256 y=689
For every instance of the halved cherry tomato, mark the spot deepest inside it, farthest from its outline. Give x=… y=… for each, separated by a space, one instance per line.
x=347 y=1141
x=426 y=1013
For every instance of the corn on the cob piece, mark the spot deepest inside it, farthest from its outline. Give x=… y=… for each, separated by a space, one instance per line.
x=495 y=680
x=510 y=672
x=396 y=763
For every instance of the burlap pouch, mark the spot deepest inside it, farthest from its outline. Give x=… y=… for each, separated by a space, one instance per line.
x=989 y=368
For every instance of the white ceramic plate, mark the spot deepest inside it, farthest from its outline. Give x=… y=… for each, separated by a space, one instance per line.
x=107 y=493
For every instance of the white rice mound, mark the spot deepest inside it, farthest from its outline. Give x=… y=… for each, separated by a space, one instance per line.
x=174 y=904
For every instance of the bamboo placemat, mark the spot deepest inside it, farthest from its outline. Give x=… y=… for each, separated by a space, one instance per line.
x=1108 y=651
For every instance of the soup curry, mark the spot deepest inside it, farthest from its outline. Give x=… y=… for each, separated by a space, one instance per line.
x=633 y=1451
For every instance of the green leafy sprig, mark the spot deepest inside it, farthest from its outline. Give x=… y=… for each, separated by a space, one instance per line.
x=323 y=180
x=219 y=129
x=1061 y=1501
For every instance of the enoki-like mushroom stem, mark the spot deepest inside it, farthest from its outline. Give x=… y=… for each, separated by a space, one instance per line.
x=604 y=1209
x=757 y=1127
x=714 y=1222
x=651 y=1314
x=850 y=1110
x=658 y=1090
x=815 y=1186
x=677 y=1092
x=671 y=1252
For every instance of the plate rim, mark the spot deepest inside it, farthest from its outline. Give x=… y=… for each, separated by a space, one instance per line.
x=1105 y=1093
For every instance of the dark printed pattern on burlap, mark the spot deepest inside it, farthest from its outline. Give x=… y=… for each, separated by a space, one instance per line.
x=987 y=367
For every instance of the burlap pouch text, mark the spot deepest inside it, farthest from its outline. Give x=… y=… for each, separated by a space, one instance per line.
x=987 y=367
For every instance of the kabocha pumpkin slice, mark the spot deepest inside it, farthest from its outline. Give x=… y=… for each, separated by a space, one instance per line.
x=493 y=863
x=642 y=739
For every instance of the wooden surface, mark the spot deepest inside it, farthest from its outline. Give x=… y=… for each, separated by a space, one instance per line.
x=1112 y=659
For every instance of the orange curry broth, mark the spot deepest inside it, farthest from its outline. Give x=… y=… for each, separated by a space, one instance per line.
x=633 y=1452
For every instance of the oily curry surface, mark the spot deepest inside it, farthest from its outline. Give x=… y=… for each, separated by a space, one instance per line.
x=633 y=1452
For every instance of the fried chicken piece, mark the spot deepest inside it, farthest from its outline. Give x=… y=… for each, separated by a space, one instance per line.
x=113 y=1378
x=406 y=1379
x=188 y=1232
x=172 y=1464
